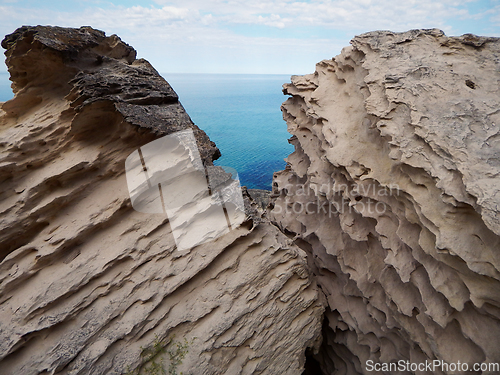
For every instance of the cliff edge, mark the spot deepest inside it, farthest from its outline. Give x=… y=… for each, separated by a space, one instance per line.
x=380 y=244
x=88 y=285
x=394 y=192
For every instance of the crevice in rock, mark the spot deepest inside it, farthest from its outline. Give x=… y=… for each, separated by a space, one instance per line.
x=312 y=366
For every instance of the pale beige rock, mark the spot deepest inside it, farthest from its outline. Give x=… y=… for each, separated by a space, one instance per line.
x=394 y=192
x=86 y=282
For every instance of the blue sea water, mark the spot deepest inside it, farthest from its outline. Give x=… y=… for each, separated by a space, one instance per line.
x=239 y=112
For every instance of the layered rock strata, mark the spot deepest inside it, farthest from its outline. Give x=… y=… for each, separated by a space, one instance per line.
x=394 y=192
x=90 y=286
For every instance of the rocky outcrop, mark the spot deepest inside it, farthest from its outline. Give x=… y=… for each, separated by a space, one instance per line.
x=90 y=286
x=389 y=203
x=394 y=192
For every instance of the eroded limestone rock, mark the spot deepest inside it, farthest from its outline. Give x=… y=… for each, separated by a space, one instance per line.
x=86 y=282
x=394 y=192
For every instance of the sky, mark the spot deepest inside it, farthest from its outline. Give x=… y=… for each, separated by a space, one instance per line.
x=245 y=36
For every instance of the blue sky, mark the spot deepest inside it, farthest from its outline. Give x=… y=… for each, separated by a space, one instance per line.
x=245 y=36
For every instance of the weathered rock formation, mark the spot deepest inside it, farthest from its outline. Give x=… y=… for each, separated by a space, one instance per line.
x=394 y=192
x=87 y=284
x=390 y=203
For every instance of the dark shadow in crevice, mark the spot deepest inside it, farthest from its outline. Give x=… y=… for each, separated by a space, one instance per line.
x=312 y=366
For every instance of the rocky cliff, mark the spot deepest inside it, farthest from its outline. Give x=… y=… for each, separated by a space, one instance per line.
x=381 y=243
x=394 y=193
x=88 y=285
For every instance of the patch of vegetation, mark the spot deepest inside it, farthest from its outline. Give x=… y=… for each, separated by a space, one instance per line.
x=153 y=357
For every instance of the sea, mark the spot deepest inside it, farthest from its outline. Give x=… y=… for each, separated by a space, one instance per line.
x=239 y=112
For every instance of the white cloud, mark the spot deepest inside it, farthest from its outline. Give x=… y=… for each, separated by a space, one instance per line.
x=494 y=15
x=208 y=33
x=274 y=20
x=337 y=14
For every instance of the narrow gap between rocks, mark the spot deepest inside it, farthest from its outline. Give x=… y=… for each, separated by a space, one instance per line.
x=312 y=366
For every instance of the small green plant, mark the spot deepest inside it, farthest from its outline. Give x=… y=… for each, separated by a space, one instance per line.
x=176 y=354
x=153 y=357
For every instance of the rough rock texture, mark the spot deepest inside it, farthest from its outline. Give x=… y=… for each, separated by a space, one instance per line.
x=262 y=197
x=394 y=192
x=86 y=282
